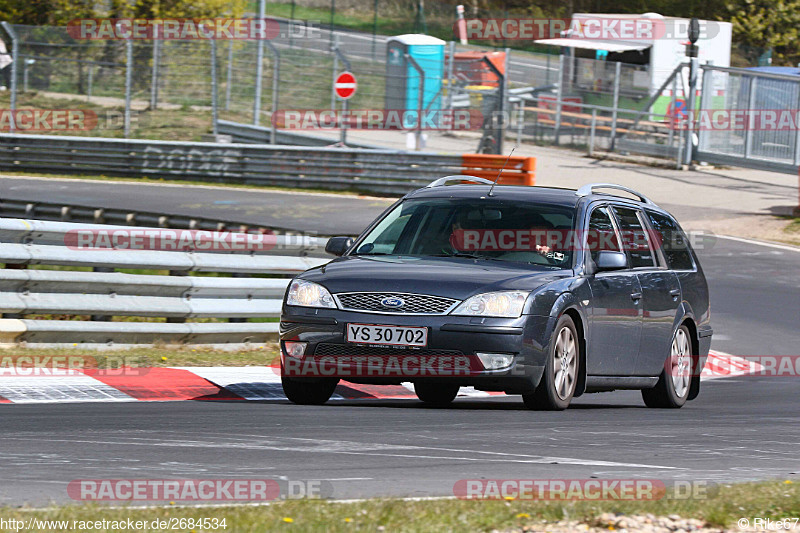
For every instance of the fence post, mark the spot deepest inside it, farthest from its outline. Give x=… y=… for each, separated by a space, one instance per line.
x=214 y=88
x=591 y=131
x=748 y=136
x=690 y=101
x=229 y=76
x=276 y=78
x=671 y=115
x=334 y=73
x=26 y=64
x=520 y=119
x=89 y=88
x=128 y=82
x=343 y=129
x=374 y=26
x=420 y=98
x=259 y=69
x=706 y=92
x=559 y=95
x=450 y=68
x=14 y=68
x=617 y=73
x=154 y=74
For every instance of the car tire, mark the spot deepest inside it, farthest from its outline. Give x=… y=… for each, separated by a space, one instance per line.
x=436 y=393
x=307 y=391
x=674 y=383
x=558 y=383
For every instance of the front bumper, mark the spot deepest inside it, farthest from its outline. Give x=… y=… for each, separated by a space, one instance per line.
x=457 y=337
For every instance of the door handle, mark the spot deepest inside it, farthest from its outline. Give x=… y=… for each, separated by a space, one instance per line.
x=675 y=293
x=636 y=296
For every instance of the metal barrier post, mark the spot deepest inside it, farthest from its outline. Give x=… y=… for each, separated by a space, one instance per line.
x=89 y=88
x=520 y=119
x=276 y=76
x=154 y=75
x=128 y=82
x=592 y=131
x=14 y=67
x=259 y=69
x=617 y=74
x=214 y=89
x=559 y=95
x=229 y=76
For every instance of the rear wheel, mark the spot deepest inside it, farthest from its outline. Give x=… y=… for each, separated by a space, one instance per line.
x=672 y=389
x=436 y=393
x=307 y=391
x=560 y=377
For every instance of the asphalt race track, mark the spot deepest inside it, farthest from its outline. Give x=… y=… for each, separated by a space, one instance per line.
x=738 y=429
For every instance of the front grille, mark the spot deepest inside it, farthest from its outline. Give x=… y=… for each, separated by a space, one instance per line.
x=354 y=349
x=419 y=304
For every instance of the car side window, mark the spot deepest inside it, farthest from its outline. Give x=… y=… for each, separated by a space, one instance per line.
x=672 y=240
x=601 y=235
x=635 y=239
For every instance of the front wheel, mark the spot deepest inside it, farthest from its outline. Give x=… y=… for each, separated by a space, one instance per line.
x=436 y=393
x=560 y=377
x=307 y=391
x=672 y=389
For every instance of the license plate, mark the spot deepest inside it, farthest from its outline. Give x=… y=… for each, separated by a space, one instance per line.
x=389 y=335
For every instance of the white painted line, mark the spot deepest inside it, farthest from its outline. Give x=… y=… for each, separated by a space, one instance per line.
x=249 y=382
x=69 y=387
x=787 y=247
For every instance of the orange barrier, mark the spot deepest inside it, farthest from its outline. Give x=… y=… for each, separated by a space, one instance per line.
x=519 y=170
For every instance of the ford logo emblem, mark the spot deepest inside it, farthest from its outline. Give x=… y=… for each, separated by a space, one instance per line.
x=393 y=303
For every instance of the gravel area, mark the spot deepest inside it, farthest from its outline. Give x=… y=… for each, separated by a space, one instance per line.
x=622 y=523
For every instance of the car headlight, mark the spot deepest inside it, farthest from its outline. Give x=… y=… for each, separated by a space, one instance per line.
x=507 y=304
x=309 y=294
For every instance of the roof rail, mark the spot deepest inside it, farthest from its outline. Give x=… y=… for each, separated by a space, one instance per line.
x=448 y=179
x=586 y=190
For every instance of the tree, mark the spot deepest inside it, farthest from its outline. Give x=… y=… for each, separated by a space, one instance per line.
x=763 y=24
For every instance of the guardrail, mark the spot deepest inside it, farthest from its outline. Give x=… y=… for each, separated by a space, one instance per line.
x=104 y=293
x=250 y=134
x=376 y=171
x=56 y=211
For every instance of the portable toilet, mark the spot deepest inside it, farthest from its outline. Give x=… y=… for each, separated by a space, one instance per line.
x=403 y=80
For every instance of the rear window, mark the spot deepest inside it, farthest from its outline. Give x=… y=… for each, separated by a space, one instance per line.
x=672 y=240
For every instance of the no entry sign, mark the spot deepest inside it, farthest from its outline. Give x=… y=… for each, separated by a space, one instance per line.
x=345 y=85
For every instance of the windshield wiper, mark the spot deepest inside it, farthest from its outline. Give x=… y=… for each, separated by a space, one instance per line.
x=374 y=253
x=464 y=254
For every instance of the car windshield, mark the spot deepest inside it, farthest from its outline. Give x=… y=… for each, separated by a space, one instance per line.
x=485 y=229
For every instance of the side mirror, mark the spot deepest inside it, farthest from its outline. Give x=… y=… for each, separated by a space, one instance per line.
x=338 y=245
x=609 y=260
